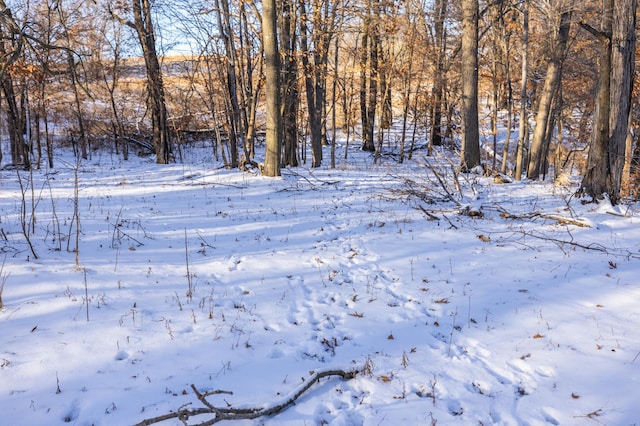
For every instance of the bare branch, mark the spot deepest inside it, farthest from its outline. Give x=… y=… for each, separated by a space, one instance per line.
x=242 y=413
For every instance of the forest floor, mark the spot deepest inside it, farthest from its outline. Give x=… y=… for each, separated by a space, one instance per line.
x=413 y=297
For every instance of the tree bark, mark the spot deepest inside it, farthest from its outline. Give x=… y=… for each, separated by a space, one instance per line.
x=143 y=25
x=290 y=92
x=542 y=132
x=440 y=11
x=622 y=72
x=524 y=116
x=613 y=103
x=470 y=155
x=235 y=123
x=369 y=75
x=272 y=88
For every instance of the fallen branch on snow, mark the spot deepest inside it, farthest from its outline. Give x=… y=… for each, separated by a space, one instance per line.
x=561 y=220
x=183 y=414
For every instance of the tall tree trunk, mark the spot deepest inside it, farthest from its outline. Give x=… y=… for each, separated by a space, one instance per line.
x=440 y=12
x=82 y=135
x=324 y=21
x=470 y=155
x=622 y=72
x=290 y=92
x=523 y=140
x=315 y=119
x=506 y=47
x=143 y=25
x=613 y=103
x=542 y=132
x=369 y=75
x=235 y=123
x=19 y=149
x=272 y=88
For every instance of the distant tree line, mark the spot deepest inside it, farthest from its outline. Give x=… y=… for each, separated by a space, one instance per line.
x=149 y=75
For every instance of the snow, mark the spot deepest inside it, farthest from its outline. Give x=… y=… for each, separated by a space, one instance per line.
x=233 y=282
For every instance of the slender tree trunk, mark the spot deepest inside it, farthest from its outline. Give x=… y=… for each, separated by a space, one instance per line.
x=470 y=155
x=506 y=39
x=369 y=75
x=73 y=75
x=541 y=133
x=290 y=92
x=311 y=88
x=143 y=25
x=272 y=88
x=440 y=11
x=406 y=92
x=235 y=123
x=523 y=129
x=19 y=149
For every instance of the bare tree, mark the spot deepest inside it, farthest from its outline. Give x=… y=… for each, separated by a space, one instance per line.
x=369 y=70
x=143 y=25
x=316 y=31
x=617 y=39
x=440 y=13
x=552 y=81
x=272 y=89
x=290 y=92
x=523 y=139
x=470 y=154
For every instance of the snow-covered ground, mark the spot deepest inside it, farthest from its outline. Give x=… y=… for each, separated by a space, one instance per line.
x=246 y=287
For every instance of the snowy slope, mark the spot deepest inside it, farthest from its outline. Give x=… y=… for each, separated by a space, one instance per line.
x=232 y=282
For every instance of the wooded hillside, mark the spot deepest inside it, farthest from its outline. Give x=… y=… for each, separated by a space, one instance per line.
x=550 y=94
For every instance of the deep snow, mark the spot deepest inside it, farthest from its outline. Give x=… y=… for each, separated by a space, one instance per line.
x=234 y=282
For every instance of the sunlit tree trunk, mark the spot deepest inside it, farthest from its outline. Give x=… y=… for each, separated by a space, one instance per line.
x=234 y=116
x=369 y=74
x=523 y=139
x=440 y=12
x=470 y=155
x=272 y=88
x=143 y=25
x=607 y=149
x=542 y=131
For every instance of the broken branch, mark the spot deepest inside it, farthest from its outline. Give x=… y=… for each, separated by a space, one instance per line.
x=241 y=413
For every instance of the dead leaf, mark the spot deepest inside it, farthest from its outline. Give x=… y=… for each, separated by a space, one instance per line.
x=484 y=238
x=385 y=378
x=575 y=396
x=443 y=301
x=357 y=314
x=538 y=336
x=390 y=337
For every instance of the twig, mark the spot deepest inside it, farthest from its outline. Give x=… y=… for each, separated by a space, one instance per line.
x=183 y=414
x=86 y=291
x=453 y=327
x=5 y=276
x=431 y=216
x=186 y=256
x=442 y=184
x=23 y=219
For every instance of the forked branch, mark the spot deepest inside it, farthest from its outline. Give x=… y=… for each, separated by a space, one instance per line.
x=220 y=414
